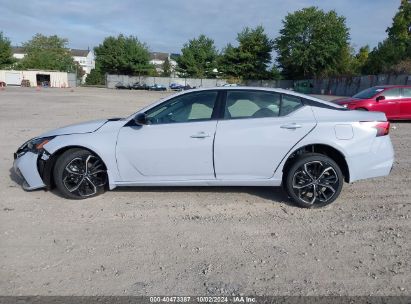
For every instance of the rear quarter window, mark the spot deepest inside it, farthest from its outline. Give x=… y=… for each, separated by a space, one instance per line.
x=406 y=92
x=289 y=104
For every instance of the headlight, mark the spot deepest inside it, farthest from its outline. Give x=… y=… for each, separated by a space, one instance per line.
x=38 y=143
x=345 y=105
x=33 y=145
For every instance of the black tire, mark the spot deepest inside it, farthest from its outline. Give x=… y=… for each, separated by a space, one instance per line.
x=313 y=180
x=76 y=180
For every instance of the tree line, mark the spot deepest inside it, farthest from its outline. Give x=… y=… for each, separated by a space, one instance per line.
x=312 y=43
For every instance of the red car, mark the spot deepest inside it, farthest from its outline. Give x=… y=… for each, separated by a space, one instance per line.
x=393 y=100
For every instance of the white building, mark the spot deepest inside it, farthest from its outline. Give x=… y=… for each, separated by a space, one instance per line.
x=18 y=52
x=157 y=59
x=85 y=58
x=51 y=79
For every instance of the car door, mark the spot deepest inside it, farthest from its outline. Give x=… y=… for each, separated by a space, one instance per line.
x=390 y=104
x=257 y=131
x=405 y=104
x=176 y=143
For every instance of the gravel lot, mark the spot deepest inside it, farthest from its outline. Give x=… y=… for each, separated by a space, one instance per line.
x=192 y=241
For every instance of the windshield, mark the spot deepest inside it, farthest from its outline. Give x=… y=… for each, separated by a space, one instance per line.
x=368 y=93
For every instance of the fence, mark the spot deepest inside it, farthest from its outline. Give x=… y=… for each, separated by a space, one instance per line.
x=284 y=84
x=112 y=80
x=341 y=86
x=348 y=86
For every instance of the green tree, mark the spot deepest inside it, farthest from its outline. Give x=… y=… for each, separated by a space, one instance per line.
x=96 y=77
x=400 y=31
x=360 y=60
x=123 y=55
x=229 y=62
x=254 y=53
x=48 y=53
x=166 y=68
x=312 y=43
x=198 y=58
x=6 y=56
x=250 y=60
x=395 y=50
x=275 y=73
x=350 y=63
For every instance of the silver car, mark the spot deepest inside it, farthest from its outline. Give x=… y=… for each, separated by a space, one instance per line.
x=237 y=136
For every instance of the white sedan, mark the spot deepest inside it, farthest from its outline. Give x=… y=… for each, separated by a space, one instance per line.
x=237 y=136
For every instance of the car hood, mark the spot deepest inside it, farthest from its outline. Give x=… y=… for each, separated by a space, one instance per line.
x=345 y=100
x=81 y=128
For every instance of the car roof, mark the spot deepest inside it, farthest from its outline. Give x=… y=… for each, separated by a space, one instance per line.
x=390 y=86
x=318 y=101
x=266 y=89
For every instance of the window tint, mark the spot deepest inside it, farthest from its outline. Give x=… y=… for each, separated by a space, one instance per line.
x=406 y=92
x=189 y=107
x=368 y=93
x=391 y=93
x=290 y=104
x=247 y=104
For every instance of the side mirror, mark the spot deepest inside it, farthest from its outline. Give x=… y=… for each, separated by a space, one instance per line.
x=380 y=98
x=140 y=119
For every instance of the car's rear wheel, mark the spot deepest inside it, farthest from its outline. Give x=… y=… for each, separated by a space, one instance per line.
x=80 y=174
x=313 y=180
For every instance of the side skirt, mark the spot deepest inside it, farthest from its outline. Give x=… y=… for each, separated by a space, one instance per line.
x=174 y=183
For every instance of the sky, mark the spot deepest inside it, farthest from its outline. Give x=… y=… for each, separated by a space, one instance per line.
x=165 y=25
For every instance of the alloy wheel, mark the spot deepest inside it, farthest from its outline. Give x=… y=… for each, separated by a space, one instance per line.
x=84 y=175
x=315 y=181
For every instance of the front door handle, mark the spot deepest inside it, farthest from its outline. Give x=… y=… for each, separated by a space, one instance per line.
x=200 y=135
x=291 y=126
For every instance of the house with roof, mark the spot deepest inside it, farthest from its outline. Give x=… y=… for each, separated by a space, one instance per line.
x=18 y=52
x=85 y=59
x=158 y=58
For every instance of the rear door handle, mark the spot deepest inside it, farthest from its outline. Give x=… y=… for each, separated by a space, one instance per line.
x=200 y=135
x=291 y=126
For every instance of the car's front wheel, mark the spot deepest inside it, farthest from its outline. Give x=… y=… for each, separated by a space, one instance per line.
x=313 y=180
x=79 y=174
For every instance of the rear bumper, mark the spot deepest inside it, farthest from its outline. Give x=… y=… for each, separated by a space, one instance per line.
x=377 y=162
x=25 y=167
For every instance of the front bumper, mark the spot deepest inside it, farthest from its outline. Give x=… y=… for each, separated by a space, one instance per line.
x=25 y=167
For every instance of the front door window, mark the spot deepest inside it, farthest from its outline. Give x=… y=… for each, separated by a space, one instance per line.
x=186 y=108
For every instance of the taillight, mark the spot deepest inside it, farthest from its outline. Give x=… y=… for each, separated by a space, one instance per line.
x=382 y=127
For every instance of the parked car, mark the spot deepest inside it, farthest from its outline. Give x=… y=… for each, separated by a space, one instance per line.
x=157 y=87
x=122 y=86
x=393 y=100
x=179 y=87
x=139 y=86
x=215 y=137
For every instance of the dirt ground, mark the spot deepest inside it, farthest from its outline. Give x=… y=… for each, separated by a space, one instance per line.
x=192 y=241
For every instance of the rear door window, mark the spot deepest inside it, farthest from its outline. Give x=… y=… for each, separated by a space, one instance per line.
x=255 y=104
x=251 y=104
x=406 y=92
x=392 y=93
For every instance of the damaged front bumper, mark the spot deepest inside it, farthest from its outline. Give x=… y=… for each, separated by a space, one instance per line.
x=25 y=166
